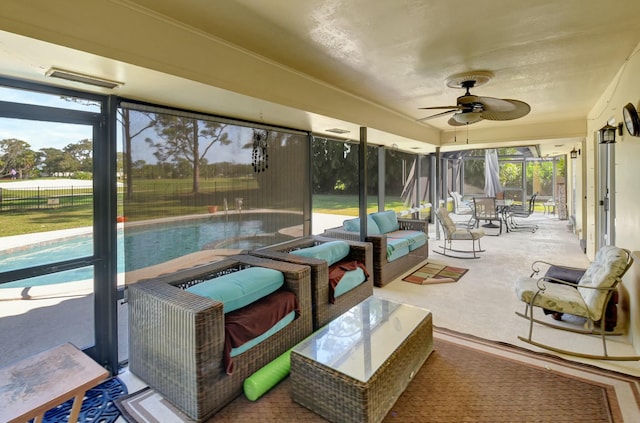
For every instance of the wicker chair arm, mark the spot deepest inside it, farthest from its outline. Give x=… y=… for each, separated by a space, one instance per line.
x=414 y=224
x=291 y=258
x=379 y=247
x=167 y=315
x=339 y=233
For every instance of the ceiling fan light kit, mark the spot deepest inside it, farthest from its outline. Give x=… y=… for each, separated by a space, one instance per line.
x=470 y=108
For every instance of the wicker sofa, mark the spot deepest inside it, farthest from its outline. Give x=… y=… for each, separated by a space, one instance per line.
x=176 y=338
x=385 y=270
x=323 y=310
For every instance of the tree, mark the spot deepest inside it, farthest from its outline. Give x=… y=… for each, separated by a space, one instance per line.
x=327 y=156
x=16 y=154
x=53 y=161
x=81 y=153
x=187 y=138
x=129 y=121
x=335 y=167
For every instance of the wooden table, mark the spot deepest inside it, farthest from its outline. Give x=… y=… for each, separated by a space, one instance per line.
x=36 y=384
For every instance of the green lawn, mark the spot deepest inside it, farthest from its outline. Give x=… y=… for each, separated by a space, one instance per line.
x=42 y=220
x=349 y=204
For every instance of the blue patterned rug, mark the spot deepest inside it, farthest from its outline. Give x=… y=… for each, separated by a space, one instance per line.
x=97 y=406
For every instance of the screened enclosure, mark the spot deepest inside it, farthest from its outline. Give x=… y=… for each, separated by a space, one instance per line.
x=195 y=182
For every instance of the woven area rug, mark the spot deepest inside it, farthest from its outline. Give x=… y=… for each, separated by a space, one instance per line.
x=466 y=379
x=435 y=273
x=97 y=406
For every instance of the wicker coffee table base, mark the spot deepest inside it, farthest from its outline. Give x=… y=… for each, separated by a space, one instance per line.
x=339 y=398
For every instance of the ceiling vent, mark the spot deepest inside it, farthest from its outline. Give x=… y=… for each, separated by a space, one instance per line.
x=83 y=79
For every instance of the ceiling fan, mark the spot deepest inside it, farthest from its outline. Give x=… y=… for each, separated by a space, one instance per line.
x=470 y=108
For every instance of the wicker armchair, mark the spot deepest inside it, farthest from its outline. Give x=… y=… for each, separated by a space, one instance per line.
x=385 y=271
x=176 y=338
x=323 y=310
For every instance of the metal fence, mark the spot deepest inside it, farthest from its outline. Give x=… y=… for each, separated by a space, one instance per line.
x=35 y=198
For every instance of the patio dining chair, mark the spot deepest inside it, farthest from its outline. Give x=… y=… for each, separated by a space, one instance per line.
x=485 y=210
x=460 y=206
x=588 y=298
x=522 y=212
x=455 y=233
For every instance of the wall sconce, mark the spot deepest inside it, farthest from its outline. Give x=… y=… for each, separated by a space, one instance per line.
x=608 y=134
x=574 y=153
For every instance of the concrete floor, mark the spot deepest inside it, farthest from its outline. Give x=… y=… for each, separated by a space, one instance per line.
x=482 y=303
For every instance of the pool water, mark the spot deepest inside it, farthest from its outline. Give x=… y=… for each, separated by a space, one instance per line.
x=140 y=247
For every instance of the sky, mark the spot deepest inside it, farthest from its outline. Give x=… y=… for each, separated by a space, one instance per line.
x=42 y=134
x=57 y=135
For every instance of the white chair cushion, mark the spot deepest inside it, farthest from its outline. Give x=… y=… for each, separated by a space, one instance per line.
x=609 y=264
x=556 y=297
x=469 y=234
x=448 y=225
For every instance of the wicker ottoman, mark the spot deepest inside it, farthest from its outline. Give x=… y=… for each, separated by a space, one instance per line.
x=355 y=368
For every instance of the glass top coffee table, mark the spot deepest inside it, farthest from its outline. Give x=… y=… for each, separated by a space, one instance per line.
x=356 y=367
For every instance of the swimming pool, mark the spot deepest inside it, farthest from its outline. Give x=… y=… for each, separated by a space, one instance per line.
x=146 y=245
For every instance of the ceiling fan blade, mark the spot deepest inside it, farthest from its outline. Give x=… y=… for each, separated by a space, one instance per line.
x=437 y=115
x=519 y=109
x=496 y=104
x=438 y=107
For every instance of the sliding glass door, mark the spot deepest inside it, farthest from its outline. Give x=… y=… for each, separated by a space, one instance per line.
x=57 y=249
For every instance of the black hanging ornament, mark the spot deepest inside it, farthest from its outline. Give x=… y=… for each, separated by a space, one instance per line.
x=260 y=155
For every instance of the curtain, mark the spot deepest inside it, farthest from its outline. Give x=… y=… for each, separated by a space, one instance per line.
x=491 y=173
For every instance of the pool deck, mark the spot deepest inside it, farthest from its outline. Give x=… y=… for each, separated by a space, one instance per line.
x=44 y=316
x=17 y=242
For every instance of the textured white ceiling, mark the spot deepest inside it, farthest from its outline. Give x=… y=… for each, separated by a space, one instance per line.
x=558 y=56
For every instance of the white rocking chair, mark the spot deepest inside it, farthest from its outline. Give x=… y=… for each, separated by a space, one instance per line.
x=454 y=233
x=588 y=298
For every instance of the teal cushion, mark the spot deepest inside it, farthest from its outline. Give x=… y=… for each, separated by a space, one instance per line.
x=255 y=341
x=331 y=252
x=241 y=288
x=387 y=221
x=417 y=243
x=394 y=244
x=397 y=253
x=416 y=238
x=353 y=225
x=349 y=280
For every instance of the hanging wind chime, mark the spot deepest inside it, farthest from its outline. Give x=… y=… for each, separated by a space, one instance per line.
x=260 y=157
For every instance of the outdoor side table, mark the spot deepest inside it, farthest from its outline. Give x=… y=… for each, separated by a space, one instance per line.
x=36 y=384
